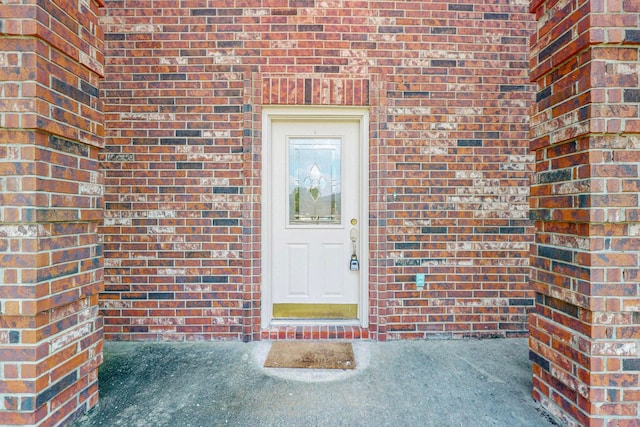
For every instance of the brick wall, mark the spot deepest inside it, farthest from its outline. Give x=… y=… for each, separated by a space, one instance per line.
x=585 y=261
x=51 y=128
x=448 y=89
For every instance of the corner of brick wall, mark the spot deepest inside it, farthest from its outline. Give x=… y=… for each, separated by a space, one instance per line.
x=585 y=344
x=51 y=130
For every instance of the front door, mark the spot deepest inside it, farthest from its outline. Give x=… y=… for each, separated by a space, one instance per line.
x=316 y=225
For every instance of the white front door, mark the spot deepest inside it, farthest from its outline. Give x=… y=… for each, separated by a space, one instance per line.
x=315 y=218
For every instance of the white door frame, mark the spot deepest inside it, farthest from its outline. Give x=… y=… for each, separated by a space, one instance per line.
x=305 y=113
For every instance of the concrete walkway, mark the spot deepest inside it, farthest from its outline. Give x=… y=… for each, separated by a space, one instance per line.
x=407 y=383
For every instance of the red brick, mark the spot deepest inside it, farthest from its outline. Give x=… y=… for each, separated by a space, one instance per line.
x=55 y=122
x=583 y=212
x=451 y=146
x=328 y=65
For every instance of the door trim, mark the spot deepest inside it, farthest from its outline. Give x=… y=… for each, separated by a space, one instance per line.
x=305 y=113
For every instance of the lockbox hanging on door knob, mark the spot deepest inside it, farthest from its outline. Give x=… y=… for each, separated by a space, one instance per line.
x=354 y=264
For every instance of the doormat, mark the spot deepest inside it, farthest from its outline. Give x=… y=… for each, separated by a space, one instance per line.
x=317 y=355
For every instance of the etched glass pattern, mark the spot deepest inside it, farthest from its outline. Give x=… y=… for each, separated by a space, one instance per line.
x=314 y=180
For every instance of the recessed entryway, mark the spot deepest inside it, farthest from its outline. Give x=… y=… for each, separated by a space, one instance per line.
x=315 y=212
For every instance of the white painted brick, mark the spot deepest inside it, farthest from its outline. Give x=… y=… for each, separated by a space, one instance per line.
x=117 y=221
x=172 y=271
x=173 y=60
x=255 y=12
x=91 y=189
x=614 y=348
x=70 y=336
x=160 y=117
x=115 y=304
x=161 y=230
x=20 y=231
x=224 y=58
x=216 y=133
x=161 y=214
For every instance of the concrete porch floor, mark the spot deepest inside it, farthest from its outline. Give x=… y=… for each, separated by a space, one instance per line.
x=400 y=383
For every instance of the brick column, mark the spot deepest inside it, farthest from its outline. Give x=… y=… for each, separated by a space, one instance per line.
x=585 y=332
x=50 y=205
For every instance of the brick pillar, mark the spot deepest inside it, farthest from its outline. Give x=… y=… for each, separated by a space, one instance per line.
x=50 y=205
x=585 y=332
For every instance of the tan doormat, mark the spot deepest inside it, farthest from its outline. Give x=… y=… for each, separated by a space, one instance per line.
x=318 y=355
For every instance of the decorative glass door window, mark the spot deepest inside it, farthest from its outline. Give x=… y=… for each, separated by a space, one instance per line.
x=315 y=180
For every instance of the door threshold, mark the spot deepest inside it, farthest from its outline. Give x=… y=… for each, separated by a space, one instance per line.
x=314 y=322
x=324 y=311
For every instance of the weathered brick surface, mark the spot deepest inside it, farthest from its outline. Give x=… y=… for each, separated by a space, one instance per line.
x=584 y=199
x=447 y=87
x=50 y=205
